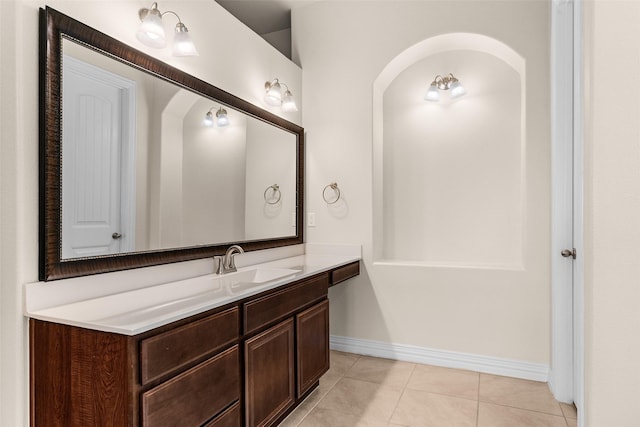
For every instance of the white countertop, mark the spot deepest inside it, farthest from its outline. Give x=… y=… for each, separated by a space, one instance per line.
x=130 y=312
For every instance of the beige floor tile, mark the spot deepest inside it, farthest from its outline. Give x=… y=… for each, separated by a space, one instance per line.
x=341 y=362
x=452 y=382
x=422 y=409
x=518 y=393
x=572 y=422
x=295 y=417
x=490 y=415
x=321 y=417
x=328 y=380
x=361 y=400
x=569 y=410
x=390 y=373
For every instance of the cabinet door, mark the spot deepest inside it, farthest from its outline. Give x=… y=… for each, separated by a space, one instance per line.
x=312 y=336
x=269 y=374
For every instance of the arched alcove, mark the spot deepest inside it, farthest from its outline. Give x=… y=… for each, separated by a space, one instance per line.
x=449 y=177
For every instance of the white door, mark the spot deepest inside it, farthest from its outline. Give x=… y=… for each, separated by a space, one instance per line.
x=578 y=263
x=566 y=377
x=97 y=138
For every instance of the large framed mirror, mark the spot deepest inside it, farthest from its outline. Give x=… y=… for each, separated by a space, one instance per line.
x=143 y=164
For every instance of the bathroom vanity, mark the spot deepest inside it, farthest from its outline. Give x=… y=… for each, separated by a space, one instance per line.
x=246 y=358
x=128 y=325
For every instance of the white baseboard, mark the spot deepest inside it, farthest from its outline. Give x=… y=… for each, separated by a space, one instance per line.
x=447 y=359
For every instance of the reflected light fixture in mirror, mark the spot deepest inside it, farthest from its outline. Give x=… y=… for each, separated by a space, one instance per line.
x=151 y=32
x=276 y=97
x=222 y=119
x=444 y=83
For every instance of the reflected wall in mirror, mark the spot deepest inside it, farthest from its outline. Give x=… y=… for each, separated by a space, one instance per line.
x=132 y=175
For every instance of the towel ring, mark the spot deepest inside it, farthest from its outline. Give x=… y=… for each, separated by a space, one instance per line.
x=275 y=188
x=336 y=190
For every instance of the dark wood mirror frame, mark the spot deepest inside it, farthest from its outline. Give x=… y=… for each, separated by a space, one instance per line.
x=53 y=26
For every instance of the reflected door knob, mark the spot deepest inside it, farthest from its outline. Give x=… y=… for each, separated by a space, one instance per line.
x=116 y=236
x=569 y=253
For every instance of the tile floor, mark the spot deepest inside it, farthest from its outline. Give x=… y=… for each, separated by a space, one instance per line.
x=362 y=391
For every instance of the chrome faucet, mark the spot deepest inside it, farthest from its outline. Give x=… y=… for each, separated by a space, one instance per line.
x=227 y=263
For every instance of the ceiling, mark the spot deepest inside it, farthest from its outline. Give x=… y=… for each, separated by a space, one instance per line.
x=262 y=16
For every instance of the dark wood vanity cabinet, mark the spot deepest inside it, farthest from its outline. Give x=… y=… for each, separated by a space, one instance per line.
x=184 y=374
x=286 y=360
x=248 y=363
x=270 y=374
x=312 y=337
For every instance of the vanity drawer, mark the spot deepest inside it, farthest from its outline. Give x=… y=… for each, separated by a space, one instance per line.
x=229 y=418
x=275 y=306
x=195 y=396
x=345 y=272
x=172 y=350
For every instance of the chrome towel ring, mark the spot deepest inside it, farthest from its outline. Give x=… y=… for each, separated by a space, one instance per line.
x=336 y=191
x=275 y=194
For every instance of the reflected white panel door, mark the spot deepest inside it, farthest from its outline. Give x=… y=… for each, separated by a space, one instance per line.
x=96 y=191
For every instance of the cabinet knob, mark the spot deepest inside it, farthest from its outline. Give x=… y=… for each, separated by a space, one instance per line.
x=116 y=235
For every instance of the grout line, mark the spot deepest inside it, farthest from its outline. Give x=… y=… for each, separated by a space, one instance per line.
x=478 y=403
x=413 y=369
x=328 y=391
x=402 y=392
x=396 y=406
x=524 y=409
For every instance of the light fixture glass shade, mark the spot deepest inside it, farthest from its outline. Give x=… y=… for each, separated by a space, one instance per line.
x=222 y=119
x=432 y=94
x=208 y=119
x=288 y=103
x=457 y=90
x=274 y=93
x=151 y=31
x=182 y=43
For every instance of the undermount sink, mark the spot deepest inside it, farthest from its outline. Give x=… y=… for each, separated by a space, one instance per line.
x=242 y=280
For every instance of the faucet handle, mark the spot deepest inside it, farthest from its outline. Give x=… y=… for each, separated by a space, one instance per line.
x=232 y=262
x=220 y=269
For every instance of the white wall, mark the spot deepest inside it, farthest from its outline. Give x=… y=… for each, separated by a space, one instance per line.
x=343 y=46
x=240 y=67
x=612 y=213
x=452 y=170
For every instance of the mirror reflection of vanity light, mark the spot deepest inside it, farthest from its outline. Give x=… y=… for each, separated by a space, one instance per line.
x=222 y=119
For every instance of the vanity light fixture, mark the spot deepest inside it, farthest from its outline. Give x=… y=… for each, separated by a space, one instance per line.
x=444 y=83
x=276 y=97
x=151 y=32
x=222 y=119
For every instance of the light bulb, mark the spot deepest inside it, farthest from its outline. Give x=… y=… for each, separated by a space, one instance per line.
x=182 y=43
x=288 y=103
x=151 y=31
x=274 y=93
x=457 y=90
x=221 y=117
x=432 y=94
x=208 y=119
